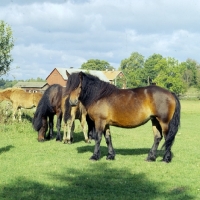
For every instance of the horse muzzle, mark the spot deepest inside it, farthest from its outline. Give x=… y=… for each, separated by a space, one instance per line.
x=73 y=103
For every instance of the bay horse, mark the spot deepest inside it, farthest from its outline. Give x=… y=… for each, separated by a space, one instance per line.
x=54 y=102
x=128 y=108
x=20 y=99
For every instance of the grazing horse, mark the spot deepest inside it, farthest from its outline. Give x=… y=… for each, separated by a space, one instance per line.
x=128 y=108
x=20 y=99
x=54 y=102
x=49 y=105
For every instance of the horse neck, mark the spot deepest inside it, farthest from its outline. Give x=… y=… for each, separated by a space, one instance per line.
x=5 y=95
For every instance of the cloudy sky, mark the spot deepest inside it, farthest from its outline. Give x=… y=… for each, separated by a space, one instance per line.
x=67 y=33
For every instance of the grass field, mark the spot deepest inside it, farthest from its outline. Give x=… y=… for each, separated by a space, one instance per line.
x=53 y=170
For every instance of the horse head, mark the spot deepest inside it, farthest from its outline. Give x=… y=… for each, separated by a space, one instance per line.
x=74 y=87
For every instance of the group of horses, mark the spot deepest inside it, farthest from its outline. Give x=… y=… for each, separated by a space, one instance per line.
x=52 y=102
x=99 y=105
x=55 y=102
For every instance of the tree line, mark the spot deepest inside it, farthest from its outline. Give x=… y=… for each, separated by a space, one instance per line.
x=166 y=72
x=156 y=69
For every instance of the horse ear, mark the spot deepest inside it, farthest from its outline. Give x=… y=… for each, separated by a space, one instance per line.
x=67 y=73
x=81 y=75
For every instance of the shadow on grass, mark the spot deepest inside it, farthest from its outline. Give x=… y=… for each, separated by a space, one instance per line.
x=27 y=117
x=6 y=148
x=98 y=181
x=78 y=136
x=104 y=151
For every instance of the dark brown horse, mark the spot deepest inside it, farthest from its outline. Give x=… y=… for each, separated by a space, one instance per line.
x=49 y=105
x=128 y=108
x=55 y=102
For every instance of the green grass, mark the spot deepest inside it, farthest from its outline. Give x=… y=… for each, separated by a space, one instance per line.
x=53 y=170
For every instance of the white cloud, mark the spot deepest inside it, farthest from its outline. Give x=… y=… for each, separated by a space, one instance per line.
x=67 y=33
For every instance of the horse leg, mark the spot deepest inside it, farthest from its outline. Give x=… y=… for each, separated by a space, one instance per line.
x=58 y=125
x=64 y=132
x=111 y=152
x=84 y=128
x=157 y=130
x=50 y=134
x=19 y=114
x=167 y=154
x=13 y=113
x=99 y=127
x=72 y=132
x=91 y=128
x=68 y=139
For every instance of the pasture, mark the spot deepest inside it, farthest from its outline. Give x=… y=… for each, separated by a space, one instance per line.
x=53 y=170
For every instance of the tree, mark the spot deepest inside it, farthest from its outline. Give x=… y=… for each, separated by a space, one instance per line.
x=150 y=71
x=170 y=75
x=191 y=75
x=96 y=64
x=6 y=45
x=132 y=68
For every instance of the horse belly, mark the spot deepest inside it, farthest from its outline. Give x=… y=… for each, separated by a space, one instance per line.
x=129 y=118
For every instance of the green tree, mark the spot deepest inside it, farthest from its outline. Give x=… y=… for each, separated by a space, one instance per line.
x=170 y=75
x=6 y=45
x=150 y=72
x=191 y=73
x=132 y=68
x=96 y=64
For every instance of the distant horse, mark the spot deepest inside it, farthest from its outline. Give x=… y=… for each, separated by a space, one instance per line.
x=20 y=99
x=54 y=102
x=128 y=108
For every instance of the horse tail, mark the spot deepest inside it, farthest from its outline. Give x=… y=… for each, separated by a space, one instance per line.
x=172 y=131
x=44 y=109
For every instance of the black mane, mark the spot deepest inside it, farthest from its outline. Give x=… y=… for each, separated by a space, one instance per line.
x=93 y=88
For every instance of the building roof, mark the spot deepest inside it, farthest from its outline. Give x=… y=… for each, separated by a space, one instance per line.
x=111 y=75
x=30 y=84
x=97 y=73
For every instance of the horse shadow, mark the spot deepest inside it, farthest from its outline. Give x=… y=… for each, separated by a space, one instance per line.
x=119 y=151
x=6 y=149
x=78 y=137
x=28 y=117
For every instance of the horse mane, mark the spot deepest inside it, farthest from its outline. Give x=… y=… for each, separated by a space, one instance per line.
x=93 y=88
x=45 y=107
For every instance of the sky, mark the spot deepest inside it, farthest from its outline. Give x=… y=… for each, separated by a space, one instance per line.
x=67 y=33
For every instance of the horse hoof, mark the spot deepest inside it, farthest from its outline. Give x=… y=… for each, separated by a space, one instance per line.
x=41 y=140
x=67 y=142
x=88 y=141
x=150 y=159
x=166 y=161
x=58 y=140
x=110 y=157
x=94 y=158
